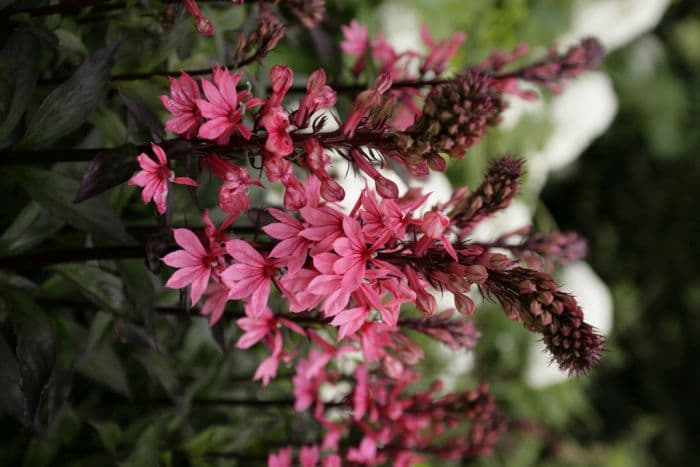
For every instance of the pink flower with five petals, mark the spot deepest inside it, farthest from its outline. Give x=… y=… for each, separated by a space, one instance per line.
x=224 y=107
x=154 y=177
x=194 y=261
x=250 y=276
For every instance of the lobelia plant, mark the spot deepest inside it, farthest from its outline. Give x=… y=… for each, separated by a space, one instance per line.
x=329 y=291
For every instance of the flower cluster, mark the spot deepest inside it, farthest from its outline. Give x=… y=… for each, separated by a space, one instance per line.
x=347 y=278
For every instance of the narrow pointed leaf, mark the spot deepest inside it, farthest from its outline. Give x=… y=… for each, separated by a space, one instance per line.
x=71 y=103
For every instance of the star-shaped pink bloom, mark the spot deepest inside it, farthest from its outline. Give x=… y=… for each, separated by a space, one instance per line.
x=194 y=261
x=283 y=458
x=154 y=177
x=355 y=39
x=250 y=275
x=354 y=253
x=293 y=248
x=224 y=107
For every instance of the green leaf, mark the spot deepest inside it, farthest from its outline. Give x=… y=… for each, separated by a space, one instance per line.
x=11 y=401
x=162 y=369
x=55 y=192
x=32 y=225
x=71 y=103
x=214 y=438
x=102 y=364
x=110 y=434
x=140 y=293
x=107 y=170
x=69 y=42
x=36 y=351
x=148 y=446
x=98 y=286
x=19 y=72
x=42 y=450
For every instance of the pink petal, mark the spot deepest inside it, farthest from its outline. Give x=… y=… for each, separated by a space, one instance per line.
x=215 y=128
x=141 y=178
x=160 y=154
x=242 y=252
x=181 y=259
x=258 y=301
x=240 y=271
x=182 y=277
x=189 y=241
x=199 y=285
x=185 y=181
x=280 y=231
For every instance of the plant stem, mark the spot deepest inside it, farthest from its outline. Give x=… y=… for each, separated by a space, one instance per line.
x=59 y=8
x=70 y=255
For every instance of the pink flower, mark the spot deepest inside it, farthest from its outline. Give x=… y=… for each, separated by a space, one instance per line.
x=280 y=80
x=181 y=103
x=355 y=43
x=259 y=326
x=154 y=177
x=327 y=285
x=366 y=453
x=317 y=161
x=318 y=96
x=202 y=24
x=354 y=255
x=307 y=379
x=332 y=461
x=325 y=226
x=434 y=224
x=441 y=52
x=276 y=123
x=365 y=102
x=360 y=397
x=308 y=456
x=350 y=320
x=194 y=263
x=249 y=277
x=293 y=248
x=385 y=54
x=283 y=458
x=294 y=192
x=233 y=194
x=215 y=303
x=267 y=370
x=355 y=39
x=224 y=107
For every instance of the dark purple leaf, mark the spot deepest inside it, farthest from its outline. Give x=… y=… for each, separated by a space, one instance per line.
x=145 y=116
x=108 y=169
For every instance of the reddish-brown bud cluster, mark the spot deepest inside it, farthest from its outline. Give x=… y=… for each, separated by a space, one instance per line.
x=557 y=67
x=533 y=298
x=455 y=116
x=500 y=186
x=486 y=423
x=546 y=250
x=309 y=12
x=455 y=333
x=259 y=42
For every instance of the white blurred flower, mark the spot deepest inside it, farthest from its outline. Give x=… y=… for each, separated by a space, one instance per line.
x=579 y=115
x=614 y=22
x=517 y=215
